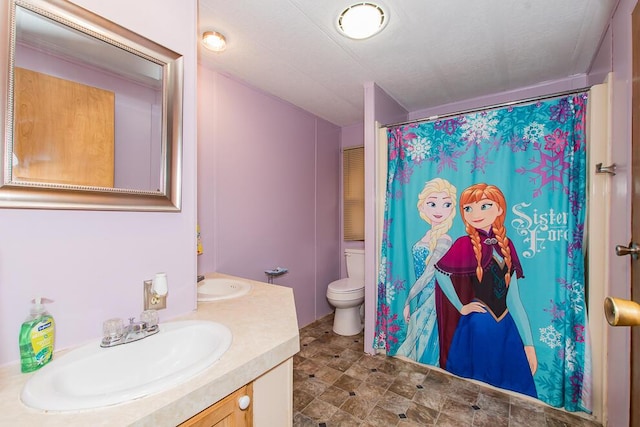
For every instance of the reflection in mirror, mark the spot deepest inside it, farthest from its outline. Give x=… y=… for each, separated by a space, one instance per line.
x=77 y=102
x=96 y=113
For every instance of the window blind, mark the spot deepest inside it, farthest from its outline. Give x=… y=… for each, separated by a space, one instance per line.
x=353 y=193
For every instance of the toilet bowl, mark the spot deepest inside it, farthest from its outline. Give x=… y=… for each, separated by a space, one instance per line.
x=347 y=295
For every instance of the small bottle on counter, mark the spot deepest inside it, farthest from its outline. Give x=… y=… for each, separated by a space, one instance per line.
x=36 y=338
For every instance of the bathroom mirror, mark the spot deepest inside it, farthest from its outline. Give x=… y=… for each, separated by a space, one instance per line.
x=93 y=113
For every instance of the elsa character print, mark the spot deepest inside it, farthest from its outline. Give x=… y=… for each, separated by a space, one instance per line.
x=492 y=340
x=436 y=205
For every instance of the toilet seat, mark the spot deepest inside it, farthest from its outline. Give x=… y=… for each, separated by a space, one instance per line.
x=346 y=286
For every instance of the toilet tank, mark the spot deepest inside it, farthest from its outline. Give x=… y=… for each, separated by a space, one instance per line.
x=355 y=263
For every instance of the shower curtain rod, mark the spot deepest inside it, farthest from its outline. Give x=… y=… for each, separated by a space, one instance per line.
x=490 y=107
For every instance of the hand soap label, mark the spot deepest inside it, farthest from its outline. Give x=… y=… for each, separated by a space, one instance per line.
x=42 y=341
x=36 y=343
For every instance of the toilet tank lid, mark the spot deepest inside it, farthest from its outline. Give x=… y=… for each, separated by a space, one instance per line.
x=354 y=251
x=346 y=285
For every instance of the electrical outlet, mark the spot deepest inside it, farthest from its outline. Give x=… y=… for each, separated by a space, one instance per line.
x=152 y=301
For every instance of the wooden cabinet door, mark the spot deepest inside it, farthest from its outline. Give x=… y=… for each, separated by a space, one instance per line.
x=225 y=413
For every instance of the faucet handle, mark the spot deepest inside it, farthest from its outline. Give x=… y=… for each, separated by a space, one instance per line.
x=150 y=317
x=112 y=327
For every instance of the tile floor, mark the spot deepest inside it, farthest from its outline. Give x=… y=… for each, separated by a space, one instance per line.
x=336 y=384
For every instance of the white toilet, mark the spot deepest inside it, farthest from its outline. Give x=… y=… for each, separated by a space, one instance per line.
x=347 y=295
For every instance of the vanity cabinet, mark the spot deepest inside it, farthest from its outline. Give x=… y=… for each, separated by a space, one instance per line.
x=227 y=412
x=273 y=397
x=271 y=404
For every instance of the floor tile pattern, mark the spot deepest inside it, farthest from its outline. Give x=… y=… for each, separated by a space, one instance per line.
x=336 y=384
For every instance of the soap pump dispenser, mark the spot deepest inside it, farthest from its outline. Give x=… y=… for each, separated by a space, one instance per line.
x=36 y=339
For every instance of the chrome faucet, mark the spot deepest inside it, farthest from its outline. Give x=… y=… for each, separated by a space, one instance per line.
x=115 y=333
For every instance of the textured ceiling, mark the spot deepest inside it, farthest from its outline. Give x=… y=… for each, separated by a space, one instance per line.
x=431 y=52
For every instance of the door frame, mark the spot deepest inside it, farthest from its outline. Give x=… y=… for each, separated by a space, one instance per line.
x=634 y=411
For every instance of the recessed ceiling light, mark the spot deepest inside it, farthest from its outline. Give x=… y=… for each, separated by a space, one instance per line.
x=362 y=20
x=214 y=41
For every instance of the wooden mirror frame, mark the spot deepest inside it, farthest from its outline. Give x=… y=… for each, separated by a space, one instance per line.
x=36 y=195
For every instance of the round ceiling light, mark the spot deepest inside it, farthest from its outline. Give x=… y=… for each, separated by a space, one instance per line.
x=362 y=20
x=214 y=41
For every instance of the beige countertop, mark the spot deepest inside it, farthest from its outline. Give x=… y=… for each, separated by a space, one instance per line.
x=265 y=333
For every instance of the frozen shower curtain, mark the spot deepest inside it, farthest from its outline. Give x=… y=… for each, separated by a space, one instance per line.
x=482 y=261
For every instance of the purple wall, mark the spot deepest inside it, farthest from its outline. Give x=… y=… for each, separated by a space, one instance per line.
x=268 y=191
x=93 y=263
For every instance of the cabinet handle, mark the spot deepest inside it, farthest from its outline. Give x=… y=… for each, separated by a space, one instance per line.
x=244 y=402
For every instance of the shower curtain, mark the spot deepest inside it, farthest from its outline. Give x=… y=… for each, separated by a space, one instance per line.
x=481 y=266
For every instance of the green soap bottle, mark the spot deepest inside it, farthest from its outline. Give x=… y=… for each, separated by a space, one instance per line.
x=36 y=338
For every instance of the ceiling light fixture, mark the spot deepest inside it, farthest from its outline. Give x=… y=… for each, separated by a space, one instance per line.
x=362 y=20
x=214 y=41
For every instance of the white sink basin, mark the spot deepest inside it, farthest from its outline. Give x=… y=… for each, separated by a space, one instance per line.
x=220 y=288
x=93 y=377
